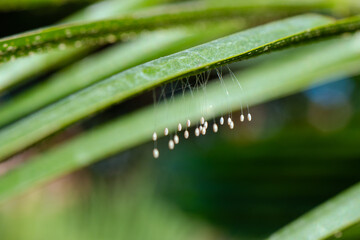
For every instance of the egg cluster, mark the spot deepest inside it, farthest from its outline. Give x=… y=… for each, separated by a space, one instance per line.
x=201 y=128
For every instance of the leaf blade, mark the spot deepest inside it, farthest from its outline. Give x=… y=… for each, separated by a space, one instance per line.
x=329 y=218
x=111 y=30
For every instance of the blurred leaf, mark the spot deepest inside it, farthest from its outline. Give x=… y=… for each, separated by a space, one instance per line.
x=111 y=30
x=30 y=4
x=326 y=220
x=262 y=83
x=106 y=31
x=10 y=74
x=336 y=7
x=131 y=211
x=350 y=233
x=235 y=47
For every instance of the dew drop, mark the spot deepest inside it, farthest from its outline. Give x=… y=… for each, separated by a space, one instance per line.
x=11 y=48
x=111 y=38
x=78 y=44
x=62 y=46
x=166 y=131
x=68 y=33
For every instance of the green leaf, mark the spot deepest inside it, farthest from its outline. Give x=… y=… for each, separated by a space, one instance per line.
x=103 y=31
x=326 y=220
x=111 y=30
x=107 y=63
x=337 y=57
x=11 y=73
x=236 y=47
